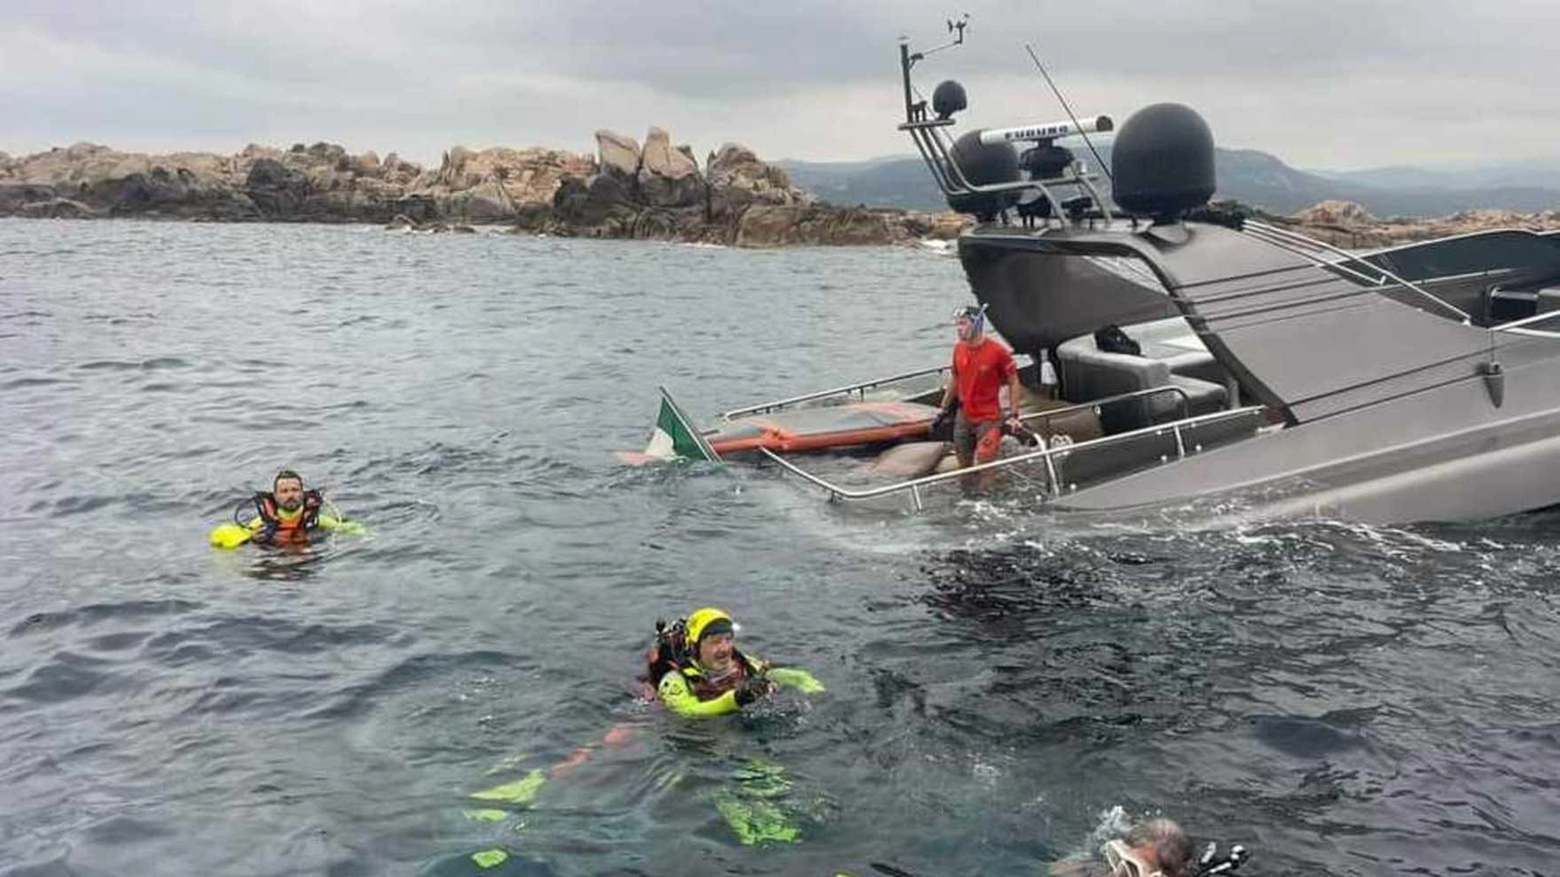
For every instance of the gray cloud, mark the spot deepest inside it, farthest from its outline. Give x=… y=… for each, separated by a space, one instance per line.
x=1319 y=83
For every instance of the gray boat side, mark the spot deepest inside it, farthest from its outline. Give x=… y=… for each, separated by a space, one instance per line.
x=1419 y=382
x=1393 y=410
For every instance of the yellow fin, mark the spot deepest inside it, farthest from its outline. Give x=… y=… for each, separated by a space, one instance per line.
x=518 y=792
x=489 y=858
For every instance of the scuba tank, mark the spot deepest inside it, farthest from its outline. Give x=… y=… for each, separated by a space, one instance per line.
x=667 y=652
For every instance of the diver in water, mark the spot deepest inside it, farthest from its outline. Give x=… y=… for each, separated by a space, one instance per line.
x=981 y=367
x=697 y=671
x=287 y=514
x=1153 y=848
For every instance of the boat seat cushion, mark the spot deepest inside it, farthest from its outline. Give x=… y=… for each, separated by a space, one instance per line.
x=1202 y=397
x=1171 y=341
x=1088 y=373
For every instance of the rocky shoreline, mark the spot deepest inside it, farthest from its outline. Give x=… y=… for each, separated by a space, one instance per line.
x=653 y=191
x=1349 y=225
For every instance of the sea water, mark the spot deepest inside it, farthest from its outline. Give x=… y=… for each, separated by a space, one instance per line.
x=1003 y=689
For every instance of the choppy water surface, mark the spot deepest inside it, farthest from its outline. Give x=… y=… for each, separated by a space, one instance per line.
x=1344 y=700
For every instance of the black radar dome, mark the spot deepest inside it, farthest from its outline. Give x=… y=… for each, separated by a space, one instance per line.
x=1162 y=162
x=983 y=165
x=949 y=98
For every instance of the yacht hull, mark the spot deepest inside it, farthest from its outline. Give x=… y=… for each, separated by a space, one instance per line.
x=1442 y=455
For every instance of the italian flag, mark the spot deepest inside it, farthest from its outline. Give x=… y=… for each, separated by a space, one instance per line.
x=675 y=436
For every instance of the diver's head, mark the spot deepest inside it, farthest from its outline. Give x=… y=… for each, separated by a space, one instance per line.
x=287 y=487
x=712 y=639
x=1153 y=848
x=970 y=322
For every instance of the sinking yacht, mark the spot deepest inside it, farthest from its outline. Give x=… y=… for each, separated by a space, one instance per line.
x=1273 y=372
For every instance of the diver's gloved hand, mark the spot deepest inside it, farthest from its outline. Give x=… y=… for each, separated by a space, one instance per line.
x=1017 y=429
x=753 y=688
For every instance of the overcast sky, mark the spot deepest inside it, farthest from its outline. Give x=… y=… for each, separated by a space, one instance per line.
x=1321 y=83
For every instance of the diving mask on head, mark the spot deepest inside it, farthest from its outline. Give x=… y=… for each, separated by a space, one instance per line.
x=1123 y=862
x=971 y=320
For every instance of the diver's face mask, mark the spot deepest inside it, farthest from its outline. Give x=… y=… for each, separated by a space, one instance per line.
x=1124 y=862
x=970 y=322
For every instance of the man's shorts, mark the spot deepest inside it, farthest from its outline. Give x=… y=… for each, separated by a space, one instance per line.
x=977 y=441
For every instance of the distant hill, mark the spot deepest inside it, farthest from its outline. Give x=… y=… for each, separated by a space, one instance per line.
x=1246 y=175
x=897 y=181
x=1543 y=173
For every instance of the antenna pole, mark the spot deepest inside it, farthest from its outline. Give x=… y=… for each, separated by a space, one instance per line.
x=1058 y=92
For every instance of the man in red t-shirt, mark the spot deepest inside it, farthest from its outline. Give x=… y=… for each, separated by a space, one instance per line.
x=981 y=366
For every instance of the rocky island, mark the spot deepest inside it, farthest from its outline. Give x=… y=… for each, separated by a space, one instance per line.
x=656 y=190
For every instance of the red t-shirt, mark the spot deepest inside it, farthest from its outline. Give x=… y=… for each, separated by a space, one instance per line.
x=979 y=373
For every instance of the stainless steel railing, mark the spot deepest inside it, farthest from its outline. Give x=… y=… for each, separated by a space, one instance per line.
x=1308 y=248
x=1520 y=326
x=859 y=389
x=930 y=142
x=1046 y=454
x=1186 y=403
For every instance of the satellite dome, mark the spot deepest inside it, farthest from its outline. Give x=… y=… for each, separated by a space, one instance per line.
x=1162 y=162
x=949 y=98
x=984 y=164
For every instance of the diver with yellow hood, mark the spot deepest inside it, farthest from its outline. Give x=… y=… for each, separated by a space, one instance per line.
x=697 y=670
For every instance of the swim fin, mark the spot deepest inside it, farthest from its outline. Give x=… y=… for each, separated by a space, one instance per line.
x=753 y=805
x=756 y=821
x=520 y=791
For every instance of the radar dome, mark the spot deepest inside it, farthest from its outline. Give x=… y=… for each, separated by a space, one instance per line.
x=1162 y=162
x=984 y=164
x=949 y=98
